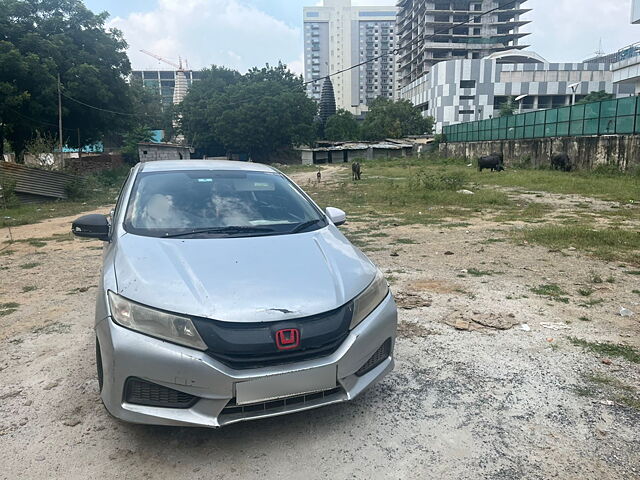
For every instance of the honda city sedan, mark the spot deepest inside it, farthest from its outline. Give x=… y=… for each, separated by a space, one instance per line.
x=227 y=294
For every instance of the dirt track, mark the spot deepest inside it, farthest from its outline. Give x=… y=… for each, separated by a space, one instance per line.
x=467 y=400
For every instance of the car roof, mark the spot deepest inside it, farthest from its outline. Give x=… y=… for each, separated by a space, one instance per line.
x=173 y=165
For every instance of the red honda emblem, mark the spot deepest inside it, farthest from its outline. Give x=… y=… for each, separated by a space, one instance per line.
x=288 y=339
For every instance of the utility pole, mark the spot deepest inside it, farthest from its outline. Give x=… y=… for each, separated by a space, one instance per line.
x=60 y=123
x=79 y=146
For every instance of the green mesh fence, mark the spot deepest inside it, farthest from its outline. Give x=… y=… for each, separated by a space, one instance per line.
x=621 y=116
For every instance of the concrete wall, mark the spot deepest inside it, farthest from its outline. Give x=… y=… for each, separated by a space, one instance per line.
x=151 y=153
x=586 y=153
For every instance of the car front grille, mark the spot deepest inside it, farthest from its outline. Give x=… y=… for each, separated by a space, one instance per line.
x=376 y=359
x=141 y=392
x=253 y=345
x=273 y=406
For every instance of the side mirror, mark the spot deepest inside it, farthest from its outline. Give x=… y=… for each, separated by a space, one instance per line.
x=91 y=226
x=337 y=216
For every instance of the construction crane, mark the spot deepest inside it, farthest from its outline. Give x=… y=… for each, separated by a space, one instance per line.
x=178 y=66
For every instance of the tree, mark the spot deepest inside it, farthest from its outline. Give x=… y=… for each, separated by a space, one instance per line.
x=258 y=113
x=327 y=107
x=596 y=97
x=195 y=112
x=41 y=39
x=394 y=119
x=507 y=108
x=342 y=126
x=132 y=138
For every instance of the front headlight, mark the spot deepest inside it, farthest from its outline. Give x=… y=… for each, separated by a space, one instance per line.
x=166 y=326
x=368 y=301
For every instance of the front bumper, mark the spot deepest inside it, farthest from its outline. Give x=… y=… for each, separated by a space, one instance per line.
x=128 y=354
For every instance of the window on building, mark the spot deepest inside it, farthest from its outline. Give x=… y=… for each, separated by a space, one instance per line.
x=467 y=84
x=467 y=97
x=466 y=112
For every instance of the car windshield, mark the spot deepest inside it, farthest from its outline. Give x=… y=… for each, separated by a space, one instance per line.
x=218 y=203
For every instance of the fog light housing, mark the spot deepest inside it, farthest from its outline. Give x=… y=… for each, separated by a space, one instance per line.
x=376 y=359
x=141 y=392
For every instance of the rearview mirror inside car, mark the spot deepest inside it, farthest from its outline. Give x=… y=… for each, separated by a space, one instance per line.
x=91 y=226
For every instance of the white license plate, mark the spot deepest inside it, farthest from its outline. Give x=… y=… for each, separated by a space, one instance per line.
x=285 y=385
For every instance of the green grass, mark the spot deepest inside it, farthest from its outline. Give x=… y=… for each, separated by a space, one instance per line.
x=29 y=288
x=30 y=265
x=474 y=272
x=7 y=252
x=606 y=244
x=551 y=291
x=37 y=243
x=592 y=302
x=632 y=272
x=616 y=187
x=8 y=308
x=405 y=241
x=586 y=292
x=608 y=349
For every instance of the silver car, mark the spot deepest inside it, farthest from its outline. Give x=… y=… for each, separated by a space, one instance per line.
x=228 y=295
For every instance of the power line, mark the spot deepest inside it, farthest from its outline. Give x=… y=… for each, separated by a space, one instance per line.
x=396 y=50
x=40 y=122
x=104 y=109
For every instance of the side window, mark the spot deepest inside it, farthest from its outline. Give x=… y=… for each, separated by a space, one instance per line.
x=118 y=206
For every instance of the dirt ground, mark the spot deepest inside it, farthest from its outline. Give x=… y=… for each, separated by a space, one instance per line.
x=487 y=383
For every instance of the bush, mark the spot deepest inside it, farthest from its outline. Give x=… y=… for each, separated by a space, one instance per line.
x=112 y=178
x=8 y=193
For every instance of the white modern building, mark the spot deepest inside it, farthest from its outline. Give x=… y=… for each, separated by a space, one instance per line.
x=338 y=35
x=626 y=70
x=456 y=91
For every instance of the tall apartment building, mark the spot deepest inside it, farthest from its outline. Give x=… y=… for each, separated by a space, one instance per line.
x=417 y=19
x=635 y=11
x=338 y=35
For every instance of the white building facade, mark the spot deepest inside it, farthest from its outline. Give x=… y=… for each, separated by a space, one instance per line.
x=338 y=35
x=458 y=91
x=635 y=11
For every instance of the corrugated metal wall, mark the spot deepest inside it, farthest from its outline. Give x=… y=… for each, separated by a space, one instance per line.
x=33 y=184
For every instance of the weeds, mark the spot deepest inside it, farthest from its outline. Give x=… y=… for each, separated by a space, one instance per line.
x=592 y=302
x=551 y=291
x=29 y=288
x=608 y=244
x=474 y=272
x=609 y=349
x=585 y=292
x=8 y=308
x=30 y=265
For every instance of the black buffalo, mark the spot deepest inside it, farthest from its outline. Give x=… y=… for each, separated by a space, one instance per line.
x=495 y=162
x=356 y=171
x=561 y=161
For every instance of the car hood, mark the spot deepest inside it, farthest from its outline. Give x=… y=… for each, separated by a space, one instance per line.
x=256 y=279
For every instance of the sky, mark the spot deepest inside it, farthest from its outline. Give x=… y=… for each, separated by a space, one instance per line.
x=244 y=33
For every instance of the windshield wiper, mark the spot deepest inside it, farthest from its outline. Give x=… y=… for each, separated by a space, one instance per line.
x=228 y=230
x=304 y=225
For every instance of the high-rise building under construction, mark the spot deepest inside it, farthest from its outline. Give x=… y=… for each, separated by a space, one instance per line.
x=430 y=31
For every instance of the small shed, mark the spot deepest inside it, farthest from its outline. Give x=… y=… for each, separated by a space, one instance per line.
x=151 y=152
